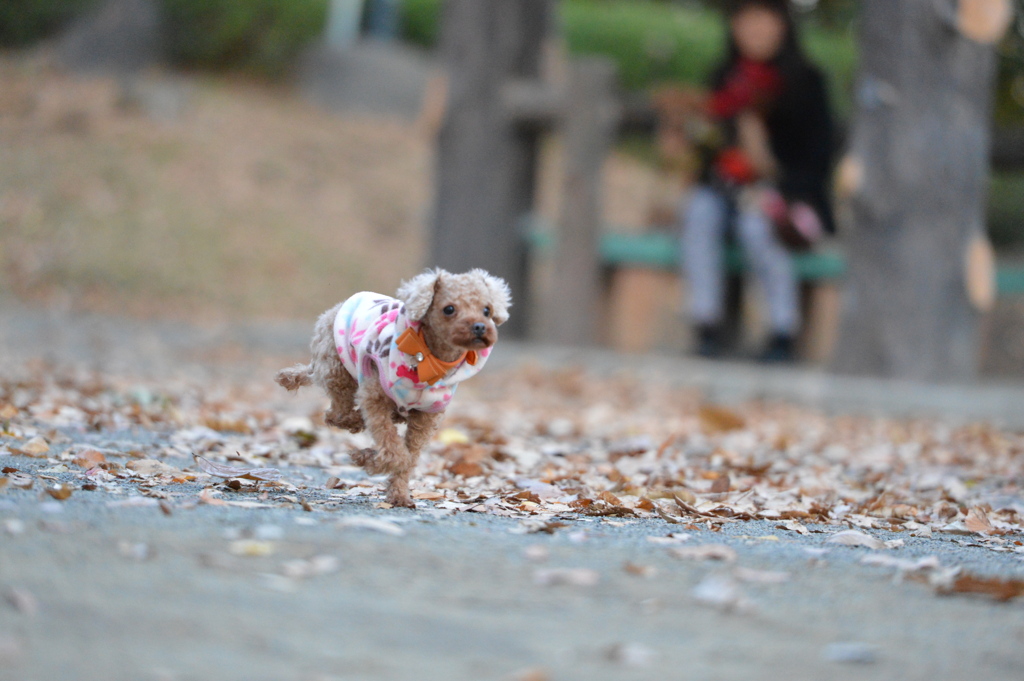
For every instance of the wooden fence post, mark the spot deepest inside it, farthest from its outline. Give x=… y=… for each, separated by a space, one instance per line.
x=590 y=113
x=486 y=159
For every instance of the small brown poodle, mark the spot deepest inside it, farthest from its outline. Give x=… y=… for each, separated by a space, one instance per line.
x=384 y=361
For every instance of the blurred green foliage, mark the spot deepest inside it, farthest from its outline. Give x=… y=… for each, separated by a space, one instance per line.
x=657 y=42
x=420 y=20
x=257 y=36
x=651 y=41
x=1005 y=210
x=23 y=22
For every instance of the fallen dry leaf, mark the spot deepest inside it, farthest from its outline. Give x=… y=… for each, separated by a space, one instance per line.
x=538 y=526
x=251 y=548
x=207 y=497
x=583 y=577
x=717 y=419
x=995 y=587
x=465 y=468
x=60 y=491
x=452 y=436
x=720 y=592
x=903 y=565
x=665 y=516
x=671 y=538
x=314 y=567
x=977 y=521
x=153 y=467
x=37 y=446
x=220 y=470
x=375 y=524
x=88 y=458
x=856 y=538
x=705 y=552
x=639 y=570
x=20 y=480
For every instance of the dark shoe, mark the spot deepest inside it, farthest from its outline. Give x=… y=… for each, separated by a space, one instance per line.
x=709 y=342
x=780 y=349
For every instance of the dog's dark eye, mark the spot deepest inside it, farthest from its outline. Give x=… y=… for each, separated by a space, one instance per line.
x=487 y=311
x=449 y=310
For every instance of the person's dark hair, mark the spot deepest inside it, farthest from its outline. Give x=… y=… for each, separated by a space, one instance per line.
x=791 y=56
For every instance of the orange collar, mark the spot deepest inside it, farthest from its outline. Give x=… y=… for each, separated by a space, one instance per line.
x=429 y=368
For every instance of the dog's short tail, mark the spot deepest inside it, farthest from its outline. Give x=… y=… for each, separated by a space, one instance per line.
x=295 y=377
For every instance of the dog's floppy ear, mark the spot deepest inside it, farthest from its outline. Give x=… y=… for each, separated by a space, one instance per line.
x=501 y=295
x=418 y=293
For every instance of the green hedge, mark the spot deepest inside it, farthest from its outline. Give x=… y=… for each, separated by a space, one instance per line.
x=23 y=22
x=1005 y=208
x=259 y=36
x=654 y=42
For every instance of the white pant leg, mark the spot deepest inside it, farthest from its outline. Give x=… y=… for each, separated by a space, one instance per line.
x=773 y=268
x=703 y=245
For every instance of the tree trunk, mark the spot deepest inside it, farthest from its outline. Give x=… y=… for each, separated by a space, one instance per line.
x=486 y=160
x=916 y=181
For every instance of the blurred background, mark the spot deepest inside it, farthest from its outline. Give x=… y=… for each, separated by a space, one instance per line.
x=218 y=160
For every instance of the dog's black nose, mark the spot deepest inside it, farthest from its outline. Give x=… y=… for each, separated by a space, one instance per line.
x=479 y=329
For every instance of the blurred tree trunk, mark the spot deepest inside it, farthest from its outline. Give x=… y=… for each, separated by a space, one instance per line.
x=915 y=178
x=486 y=159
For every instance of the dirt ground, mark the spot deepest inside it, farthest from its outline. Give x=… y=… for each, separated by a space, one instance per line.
x=195 y=198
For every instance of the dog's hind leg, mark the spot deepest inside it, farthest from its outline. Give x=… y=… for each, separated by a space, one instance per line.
x=392 y=456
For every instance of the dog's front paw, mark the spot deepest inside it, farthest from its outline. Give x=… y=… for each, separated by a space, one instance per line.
x=364 y=458
x=399 y=498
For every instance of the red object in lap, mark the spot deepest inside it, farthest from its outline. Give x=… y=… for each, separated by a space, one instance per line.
x=732 y=165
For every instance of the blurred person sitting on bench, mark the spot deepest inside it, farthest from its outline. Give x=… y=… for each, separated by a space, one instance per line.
x=763 y=141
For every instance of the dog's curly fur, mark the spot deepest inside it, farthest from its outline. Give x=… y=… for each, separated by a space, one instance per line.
x=355 y=407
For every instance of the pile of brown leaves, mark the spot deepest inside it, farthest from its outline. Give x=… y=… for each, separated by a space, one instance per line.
x=535 y=445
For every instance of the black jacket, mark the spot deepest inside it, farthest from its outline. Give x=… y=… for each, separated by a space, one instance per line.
x=800 y=131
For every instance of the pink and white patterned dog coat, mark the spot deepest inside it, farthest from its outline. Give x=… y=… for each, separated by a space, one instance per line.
x=366 y=332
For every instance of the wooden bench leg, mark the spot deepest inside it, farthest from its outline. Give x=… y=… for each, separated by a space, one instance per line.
x=822 y=311
x=643 y=310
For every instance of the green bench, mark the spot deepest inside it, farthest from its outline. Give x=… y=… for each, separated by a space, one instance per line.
x=641 y=283
x=661 y=251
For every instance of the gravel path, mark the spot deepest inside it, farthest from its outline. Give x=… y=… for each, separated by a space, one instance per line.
x=120 y=586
